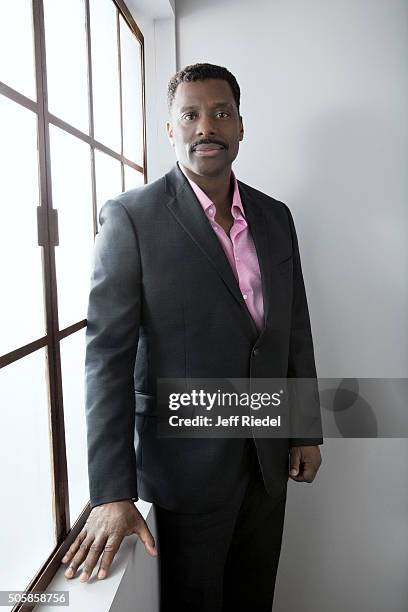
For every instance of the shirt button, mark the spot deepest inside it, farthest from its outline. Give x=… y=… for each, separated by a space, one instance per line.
x=245 y=296
x=237 y=258
x=211 y=210
x=255 y=352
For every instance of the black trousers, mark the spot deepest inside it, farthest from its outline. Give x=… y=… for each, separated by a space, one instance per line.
x=223 y=561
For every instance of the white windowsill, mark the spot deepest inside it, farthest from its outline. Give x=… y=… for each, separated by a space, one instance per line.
x=98 y=595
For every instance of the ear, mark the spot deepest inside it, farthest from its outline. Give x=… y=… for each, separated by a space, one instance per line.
x=169 y=129
x=241 y=129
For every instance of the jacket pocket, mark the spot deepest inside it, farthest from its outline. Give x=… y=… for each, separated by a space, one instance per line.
x=145 y=404
x=285 y=266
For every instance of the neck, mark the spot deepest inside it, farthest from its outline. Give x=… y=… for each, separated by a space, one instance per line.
x=218 y=188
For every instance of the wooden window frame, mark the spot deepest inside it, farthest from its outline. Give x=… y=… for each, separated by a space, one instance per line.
x=47 y=219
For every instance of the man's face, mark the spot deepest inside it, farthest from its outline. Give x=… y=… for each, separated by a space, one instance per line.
x=205 y=127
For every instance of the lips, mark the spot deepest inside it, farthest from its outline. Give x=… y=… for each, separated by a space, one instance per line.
x=208 y=147
x=208 y=150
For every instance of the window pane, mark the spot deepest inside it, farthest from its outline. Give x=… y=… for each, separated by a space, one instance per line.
x=72 y=365
x=20 y=255
x=17 y=47
x=26 y=514
x=133 y=178
x=105 y=73
x=72 y=196
x=108 y=178
x=65 y=38
x=131 y=65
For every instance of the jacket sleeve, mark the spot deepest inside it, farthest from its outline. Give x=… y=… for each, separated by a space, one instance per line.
x=305 y=401
x=111 y=344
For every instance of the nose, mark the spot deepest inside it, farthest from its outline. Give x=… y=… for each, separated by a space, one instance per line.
x=205 y=126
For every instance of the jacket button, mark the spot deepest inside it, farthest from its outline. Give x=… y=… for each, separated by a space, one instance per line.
x=256 y=352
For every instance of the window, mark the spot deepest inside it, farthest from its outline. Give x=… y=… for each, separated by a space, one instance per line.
x=72 y=127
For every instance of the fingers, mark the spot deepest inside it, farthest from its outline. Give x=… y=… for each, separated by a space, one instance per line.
x=306 y=472
x=294 y=462
x=145 y=535
x=110 y=549
x=102 y=537
x=95 y=551
x=89 y=554
x=309 y=472
x=83 y=550
x=72 y=552
x=311 y=465
x=304 y=463
x=298 y=474
x=78 y=558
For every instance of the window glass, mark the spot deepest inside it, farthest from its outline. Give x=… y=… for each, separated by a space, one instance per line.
x=133 y=178
x=72 y=196
x=131 y=68
x=17 y=68
x=105 y=73
x=67 y=61
x=22 y=302
x=27 y=535
x=72 y=368
x=108 y=178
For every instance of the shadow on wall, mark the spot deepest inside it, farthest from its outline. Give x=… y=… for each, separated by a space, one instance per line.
x=353 y=415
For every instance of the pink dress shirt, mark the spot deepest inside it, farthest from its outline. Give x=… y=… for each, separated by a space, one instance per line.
x=239 y=248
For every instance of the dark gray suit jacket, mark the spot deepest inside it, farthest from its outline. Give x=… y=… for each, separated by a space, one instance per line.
x=164 y=303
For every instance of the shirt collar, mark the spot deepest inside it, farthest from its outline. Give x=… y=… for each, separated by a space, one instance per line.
x=237 y=209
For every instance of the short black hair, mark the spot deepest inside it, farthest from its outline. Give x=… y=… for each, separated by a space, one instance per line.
x=201 y=72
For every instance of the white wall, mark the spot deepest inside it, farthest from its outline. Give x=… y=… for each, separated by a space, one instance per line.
x=324 y=101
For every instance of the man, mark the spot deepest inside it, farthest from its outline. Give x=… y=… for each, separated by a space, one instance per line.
x=195 y=276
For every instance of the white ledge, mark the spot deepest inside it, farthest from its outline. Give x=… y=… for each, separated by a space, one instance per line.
x=132 y=583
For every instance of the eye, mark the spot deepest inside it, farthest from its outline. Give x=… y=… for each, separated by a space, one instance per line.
x=224 y=113
x=188 y=116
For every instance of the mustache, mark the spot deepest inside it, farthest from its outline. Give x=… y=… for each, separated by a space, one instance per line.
x=208 y=141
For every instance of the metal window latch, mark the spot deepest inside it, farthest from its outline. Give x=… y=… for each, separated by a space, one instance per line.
x=42 y=226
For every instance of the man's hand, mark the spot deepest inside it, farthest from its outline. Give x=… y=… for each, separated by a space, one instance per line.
x=304 y=463
x=103 y=532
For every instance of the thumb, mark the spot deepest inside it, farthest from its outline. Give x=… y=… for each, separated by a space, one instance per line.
x=148 y=540
x=294 y=461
